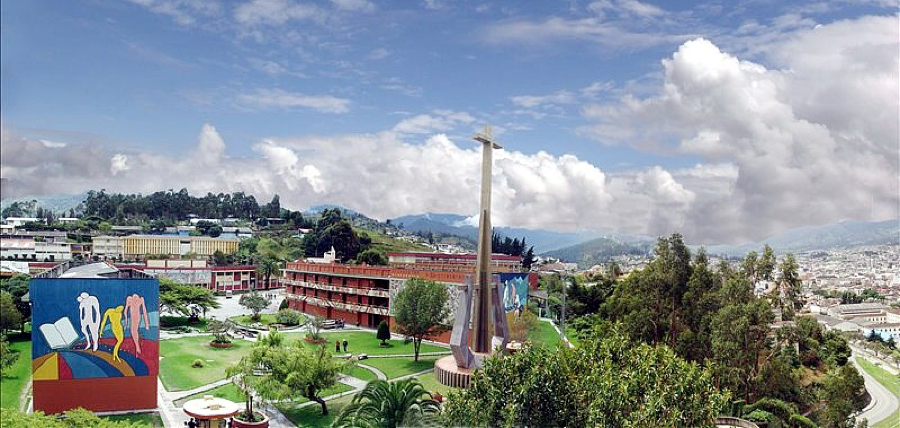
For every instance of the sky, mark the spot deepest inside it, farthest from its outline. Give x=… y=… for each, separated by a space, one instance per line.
x=727 y=121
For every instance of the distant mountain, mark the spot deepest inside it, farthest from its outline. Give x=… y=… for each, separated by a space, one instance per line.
x=842 y=234
x=56 y=203
x=459 y=225
x=600 y=250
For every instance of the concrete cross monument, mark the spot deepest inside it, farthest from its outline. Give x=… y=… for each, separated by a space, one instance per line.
x=489 y=322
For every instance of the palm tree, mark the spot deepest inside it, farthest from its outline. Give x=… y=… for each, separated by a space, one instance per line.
x=383 y=404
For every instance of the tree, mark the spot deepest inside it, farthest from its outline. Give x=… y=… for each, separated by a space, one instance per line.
x=766 y=265
x=186 y=300
x=843 y=394
x=214 y=231
x=7 y=356
x=253 y=373
x=421 y=310
x=528 y=259
x=788 y=287
x=10 y=317
x=17 y=286
x=254 y=302
x=606 y=380
x=314 y=325
x=749 y=266
x=384 y=332
x=78 y=418
x=219 y=329
x=383 y=404
x=738 y=337
x=302 y=372
x=372 y=257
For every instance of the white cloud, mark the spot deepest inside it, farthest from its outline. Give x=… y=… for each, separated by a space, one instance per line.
x=438 y=121
x=379 y=53
x=795 y=155
x=118 y=163
x=278 y=98
x=354 y=5
x=530 y=101
x=275 y=12
x=183 y=12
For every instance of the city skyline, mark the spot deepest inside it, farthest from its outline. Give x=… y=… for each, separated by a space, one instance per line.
x=620 y=115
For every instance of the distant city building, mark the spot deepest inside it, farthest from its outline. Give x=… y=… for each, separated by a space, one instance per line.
x=138 y=247
x=20 y=221
x=27 y=248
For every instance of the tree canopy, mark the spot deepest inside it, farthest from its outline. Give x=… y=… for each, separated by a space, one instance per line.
x=421 y=310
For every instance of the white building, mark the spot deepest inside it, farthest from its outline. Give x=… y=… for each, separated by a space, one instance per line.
x=20 y=221
x=27 y=249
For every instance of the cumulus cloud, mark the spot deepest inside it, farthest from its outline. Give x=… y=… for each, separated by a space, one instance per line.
x=529 y=101
x=795 y=154
x=275 y=12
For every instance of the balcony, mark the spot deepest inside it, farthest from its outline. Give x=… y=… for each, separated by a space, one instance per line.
x=350 y=307
x=372 y=292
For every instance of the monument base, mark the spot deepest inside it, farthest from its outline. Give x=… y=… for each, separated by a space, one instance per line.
x=448 y=373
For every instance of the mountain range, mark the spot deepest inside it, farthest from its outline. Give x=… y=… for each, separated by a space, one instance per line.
x=592 y=245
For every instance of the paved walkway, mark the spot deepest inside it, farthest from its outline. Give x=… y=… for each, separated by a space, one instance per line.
x=883 y=404
x=378 y=373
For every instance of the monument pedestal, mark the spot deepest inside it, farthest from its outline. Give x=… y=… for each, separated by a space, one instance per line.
x=448 y=373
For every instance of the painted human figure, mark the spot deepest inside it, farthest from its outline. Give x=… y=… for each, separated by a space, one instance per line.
x=114 y=315
x=133 y=306
x=89 y=313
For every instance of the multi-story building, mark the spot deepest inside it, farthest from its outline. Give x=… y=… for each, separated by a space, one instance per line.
x=138 y=247
x=362 y=295
x=27 y=248
x=199 y=273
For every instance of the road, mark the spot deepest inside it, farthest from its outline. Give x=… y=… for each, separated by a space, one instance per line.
x=886 y=403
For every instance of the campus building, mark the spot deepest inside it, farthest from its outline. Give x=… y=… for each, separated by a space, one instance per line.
x=138 y=247
x=199 y=273
x=361 y=294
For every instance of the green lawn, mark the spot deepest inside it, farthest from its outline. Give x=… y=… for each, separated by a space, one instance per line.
x=363 y=373
x=400 y=366
x=545 y=334
x=228 y=391
x=17 y=376
x=364 y=342
x=311 y=416
x=387 y=244
x=890 y=382
x=142 y=419
x=430 y=383
x=175 y=369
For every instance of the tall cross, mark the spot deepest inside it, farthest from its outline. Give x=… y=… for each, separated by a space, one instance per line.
x=482 y=328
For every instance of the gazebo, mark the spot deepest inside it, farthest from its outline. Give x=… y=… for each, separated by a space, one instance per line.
x=209 y=410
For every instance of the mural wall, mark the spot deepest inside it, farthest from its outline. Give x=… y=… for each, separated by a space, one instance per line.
x=514 y=294
x=95 y=343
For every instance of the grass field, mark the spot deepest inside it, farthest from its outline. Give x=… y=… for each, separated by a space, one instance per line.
x=142 y=419
x=311 y=416
x=400 y=366
x=228 y=391
x=362 y=373
x=17 y=376
x=175 y=369
x=363 y=342
x=544 y=333
x=387 y=244
x=432 y=385
x=891 y=382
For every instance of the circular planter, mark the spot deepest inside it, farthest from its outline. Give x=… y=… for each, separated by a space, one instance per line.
x=221 y=345
x=261 y=424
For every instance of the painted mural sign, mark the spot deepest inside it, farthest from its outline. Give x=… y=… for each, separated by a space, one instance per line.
x=514 y=292
x=94 y=342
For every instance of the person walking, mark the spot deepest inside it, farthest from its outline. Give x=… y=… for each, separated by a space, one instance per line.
x=345 y=346
x=337 y=346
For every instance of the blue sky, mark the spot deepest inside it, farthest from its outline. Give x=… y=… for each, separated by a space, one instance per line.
x=140 y=78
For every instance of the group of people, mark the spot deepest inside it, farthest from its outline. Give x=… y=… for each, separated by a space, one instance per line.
x=337 y=345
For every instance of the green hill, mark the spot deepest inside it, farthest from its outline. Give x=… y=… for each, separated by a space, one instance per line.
x=389 y=244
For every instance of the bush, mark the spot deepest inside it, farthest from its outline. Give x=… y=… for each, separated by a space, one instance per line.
x=384 y=332
x=760 y=416
x=800 y=421
x=198 y=363
x=284 y=305
x=288 y=317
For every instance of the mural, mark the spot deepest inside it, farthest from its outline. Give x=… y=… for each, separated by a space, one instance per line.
x=117 y=336
x=514 y=292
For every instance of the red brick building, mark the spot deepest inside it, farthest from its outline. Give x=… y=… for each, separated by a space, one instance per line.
x=361 y=294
